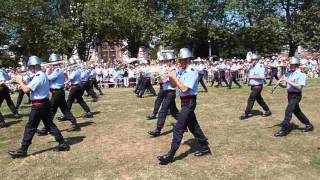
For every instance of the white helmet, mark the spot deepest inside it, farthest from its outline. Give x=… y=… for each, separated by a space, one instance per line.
x=185 y=53
x=71 y=61
x=54 y=57
x=169 y=56
x=255 y=57
x=160 y=56
x=23 y=69
x=295 y=60
x=34 y=60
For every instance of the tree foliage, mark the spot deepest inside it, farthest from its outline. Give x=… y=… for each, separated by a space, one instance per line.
x=233 y=27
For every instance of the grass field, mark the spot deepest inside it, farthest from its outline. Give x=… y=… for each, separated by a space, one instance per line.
x=115 y=145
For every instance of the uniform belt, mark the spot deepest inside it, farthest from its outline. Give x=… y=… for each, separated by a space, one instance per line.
x=257 y=86
x=294 y=93
x=170 y=92
x=74 y=85
x=187 y=97
x=53 y=89
x=84 y=81
x=39 y=101
x=161 y=85
x=186 y=100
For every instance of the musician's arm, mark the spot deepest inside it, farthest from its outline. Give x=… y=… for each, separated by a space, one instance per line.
x=175 y=82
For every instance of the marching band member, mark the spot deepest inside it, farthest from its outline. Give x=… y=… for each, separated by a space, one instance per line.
x=234 y=73
x=40 y=110
x=201 y=68
x=256 y=77
x=26 y=79
x=160 y=94
x=93 y=79
x=222 y=73
x=295 y=81
x=169 y=95
x=274 y=69
x=146 y=82
x=76 y=91
x=187 y=83
x=56 y=81
x=5 y=95
x=85 y=84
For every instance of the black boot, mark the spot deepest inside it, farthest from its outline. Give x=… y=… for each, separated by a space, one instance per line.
x=154 y=133
x=88 y=115
x=283 y=132
x=62 y=147
x=203 y=150
x=74 y=127
x=3 y=124
x=20 y=153
x=42 y=132
x=151 y=116
x=16 y=115
x=62 y=118
x=267 y=113
x=308 y=128
x=167 y=158
x=244 y=116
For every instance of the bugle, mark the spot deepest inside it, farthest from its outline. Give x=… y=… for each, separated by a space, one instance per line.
x=274 y=87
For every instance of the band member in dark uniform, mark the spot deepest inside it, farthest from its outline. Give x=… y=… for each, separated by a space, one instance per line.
x=40 y=110
x=76 y=91
x=56 y=81
x=26 y=79
x=160 y=94
x=234 y=73
x=169 y=94
x=5 y=95
x=201 y=70
x=146 y=82
x=295 y=81
x=187 y=83
x=256 y=77
x=274 y=70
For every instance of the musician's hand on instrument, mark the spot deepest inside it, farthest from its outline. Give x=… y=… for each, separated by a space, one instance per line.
x=284 y=79
x=18 y=78
x=171 y=74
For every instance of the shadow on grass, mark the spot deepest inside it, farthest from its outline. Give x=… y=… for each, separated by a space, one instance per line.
x=93 y=113
x=10 y=123
x=70 y=140
x=11 y=116
x=82 y=124
x=193 y=144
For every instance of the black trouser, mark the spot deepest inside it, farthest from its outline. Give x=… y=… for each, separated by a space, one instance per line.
x=40 y=112
x=58 y=101
x=215 y=78
x=94 y=83
x=138 y=86
x=168 y=103
x=20 y=98
x=146 y=84
x=158 y=101
x=294 y=108
x=233 y=78
x=202 y=82
x=5 y=95
x=85 y=85
x=76 y=92
x=187 y=118
x=255 y=95
x=222 y=78
x=274 y=74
